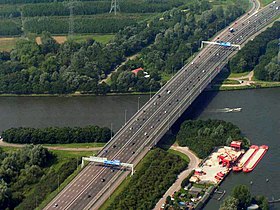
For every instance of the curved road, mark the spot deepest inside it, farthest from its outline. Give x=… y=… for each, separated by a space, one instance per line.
x=194 y=161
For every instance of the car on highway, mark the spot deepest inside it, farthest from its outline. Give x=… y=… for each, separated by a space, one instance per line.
x=102 y=180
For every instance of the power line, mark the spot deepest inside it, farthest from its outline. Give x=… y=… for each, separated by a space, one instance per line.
x=115 y=5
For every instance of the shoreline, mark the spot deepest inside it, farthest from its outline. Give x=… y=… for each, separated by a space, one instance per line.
x=215 y=88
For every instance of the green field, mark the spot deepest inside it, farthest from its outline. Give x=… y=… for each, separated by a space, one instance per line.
x=102 y=38
x=7 y=44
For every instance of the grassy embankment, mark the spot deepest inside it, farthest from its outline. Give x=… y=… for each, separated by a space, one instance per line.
x=76 y=145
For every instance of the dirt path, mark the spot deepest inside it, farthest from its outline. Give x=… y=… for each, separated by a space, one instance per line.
x=123 y=63
x=243 y=81
x=194 y=161
x=81 y=149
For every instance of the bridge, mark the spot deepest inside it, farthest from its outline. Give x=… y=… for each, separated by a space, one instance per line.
x=95 y=183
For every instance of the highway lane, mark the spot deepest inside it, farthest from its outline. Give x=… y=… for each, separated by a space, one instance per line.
x=96 y=169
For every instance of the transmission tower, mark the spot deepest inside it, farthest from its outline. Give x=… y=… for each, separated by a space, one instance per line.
x=115 y=5
x=71 y=4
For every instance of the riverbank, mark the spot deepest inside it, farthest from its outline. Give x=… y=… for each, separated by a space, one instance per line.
x=257 y=85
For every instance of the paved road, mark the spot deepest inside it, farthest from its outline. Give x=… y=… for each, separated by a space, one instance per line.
x=95 y=182
x=194 y=161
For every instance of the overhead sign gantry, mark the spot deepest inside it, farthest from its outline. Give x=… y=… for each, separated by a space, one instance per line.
x=221 y=43
x=105 y=161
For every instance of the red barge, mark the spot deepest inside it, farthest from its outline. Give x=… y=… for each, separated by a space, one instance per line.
x=245 y=158
x=255 y=159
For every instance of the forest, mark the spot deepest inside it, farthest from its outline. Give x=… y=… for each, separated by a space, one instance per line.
x=71 y=67
x=241 y=198
x=56 y=135
x=202 y=136
x=260 y=55
x=28 y=175
x=156 y=174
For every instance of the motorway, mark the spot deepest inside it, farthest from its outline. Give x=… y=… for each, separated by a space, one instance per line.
x=95 y=182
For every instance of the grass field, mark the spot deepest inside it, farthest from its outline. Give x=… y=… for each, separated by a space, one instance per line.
x=102 y=38
x=76 y=145
x=182 y=155
x=265 y=2
x=7 y=43
x=234 y=75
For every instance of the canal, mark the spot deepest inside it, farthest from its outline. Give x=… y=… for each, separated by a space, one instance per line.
x=259 y=120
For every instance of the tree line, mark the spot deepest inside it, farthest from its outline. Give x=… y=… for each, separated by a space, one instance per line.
x=249 y=56
x=82 y=24
x=241 y=198
x=55 y=135
x=9 y=11
x=96 y=7
x=202 y=136
x=158 y=171
x=9 y=27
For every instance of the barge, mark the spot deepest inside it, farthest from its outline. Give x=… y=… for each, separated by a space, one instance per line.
x=255 y=159
x=245 y=158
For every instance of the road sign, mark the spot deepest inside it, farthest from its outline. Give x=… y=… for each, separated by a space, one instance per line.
x=225 y=44
x=112 y=162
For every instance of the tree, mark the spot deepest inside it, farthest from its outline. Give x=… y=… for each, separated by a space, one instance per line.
x=230 y=203
x=243 y=195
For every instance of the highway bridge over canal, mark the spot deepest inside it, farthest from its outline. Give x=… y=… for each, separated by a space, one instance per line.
x=95 y=183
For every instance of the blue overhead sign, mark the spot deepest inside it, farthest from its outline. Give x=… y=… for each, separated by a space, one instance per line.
x=225 y=44
x=112 y=162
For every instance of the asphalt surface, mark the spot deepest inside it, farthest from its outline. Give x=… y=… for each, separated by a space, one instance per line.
x=96 y=182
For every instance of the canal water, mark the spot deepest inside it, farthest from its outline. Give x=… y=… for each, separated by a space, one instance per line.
x=259 y=120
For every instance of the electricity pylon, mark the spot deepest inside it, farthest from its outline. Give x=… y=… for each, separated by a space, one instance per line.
x=115 y=5
x=71 y=4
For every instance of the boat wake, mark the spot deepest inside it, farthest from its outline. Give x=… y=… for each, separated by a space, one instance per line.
x=227 y=110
